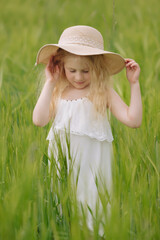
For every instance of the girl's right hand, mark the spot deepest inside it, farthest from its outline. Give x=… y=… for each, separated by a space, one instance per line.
x=51 y=71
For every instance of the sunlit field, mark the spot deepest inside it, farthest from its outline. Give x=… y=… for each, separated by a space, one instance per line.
x=31 y=207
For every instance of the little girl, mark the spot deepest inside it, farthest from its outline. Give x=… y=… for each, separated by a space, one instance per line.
x=76 y=95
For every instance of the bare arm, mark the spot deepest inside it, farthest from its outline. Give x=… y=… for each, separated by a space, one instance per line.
x=41 y=110
x=129 y=115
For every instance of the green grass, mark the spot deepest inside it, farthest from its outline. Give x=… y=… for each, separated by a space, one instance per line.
x=28 y=208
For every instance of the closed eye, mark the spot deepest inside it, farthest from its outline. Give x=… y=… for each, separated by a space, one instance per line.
x=72 y=70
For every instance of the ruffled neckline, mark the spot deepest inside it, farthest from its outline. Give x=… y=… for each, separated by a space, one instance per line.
x=73 y=100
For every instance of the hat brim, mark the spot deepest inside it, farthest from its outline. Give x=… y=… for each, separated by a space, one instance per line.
x=115 y=62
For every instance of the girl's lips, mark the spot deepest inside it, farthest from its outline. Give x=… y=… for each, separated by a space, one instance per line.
x=79 y=82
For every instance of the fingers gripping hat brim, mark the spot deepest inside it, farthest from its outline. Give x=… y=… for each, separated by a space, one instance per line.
x=114 y=61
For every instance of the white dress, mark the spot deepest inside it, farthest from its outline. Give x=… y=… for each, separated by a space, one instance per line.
x=90 y=147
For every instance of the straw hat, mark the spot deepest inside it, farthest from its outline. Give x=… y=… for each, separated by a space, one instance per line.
x=83 y=41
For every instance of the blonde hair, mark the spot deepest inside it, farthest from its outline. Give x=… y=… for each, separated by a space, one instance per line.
x=99 y=86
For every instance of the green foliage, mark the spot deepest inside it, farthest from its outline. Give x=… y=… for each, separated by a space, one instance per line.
x=32 y=206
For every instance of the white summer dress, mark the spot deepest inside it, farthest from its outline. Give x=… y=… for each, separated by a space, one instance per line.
x=90 y=147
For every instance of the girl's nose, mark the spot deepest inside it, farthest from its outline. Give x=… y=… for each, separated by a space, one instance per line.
x=78 y=76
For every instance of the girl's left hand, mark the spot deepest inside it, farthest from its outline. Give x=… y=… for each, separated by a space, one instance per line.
x=132 y=70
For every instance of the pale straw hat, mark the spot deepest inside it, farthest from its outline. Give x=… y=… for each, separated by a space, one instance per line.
x=83 y=41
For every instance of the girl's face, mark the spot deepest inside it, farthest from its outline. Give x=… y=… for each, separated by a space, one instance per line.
x=77 y=71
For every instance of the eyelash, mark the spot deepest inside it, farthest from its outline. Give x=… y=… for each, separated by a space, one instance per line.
x=72 y=71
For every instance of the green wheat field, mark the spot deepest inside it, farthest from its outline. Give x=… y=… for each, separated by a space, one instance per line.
x=31 y=208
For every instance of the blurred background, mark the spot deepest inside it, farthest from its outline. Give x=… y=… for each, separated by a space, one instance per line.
x=27 y=207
